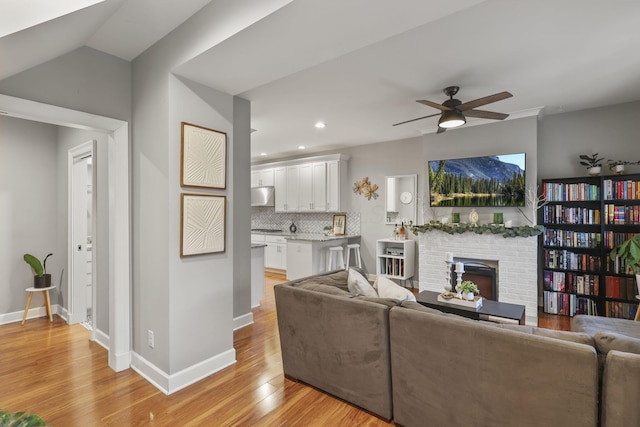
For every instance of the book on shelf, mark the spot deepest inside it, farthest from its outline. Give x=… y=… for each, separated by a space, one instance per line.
x=568 y=304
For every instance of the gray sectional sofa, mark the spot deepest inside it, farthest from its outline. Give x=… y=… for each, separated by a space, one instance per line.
x=418 y=366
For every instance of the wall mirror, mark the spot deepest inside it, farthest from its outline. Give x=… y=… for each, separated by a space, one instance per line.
x=400 y=198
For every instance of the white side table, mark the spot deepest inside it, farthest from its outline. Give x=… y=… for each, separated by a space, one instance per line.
x=47 y=301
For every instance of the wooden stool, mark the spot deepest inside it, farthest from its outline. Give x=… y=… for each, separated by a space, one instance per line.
x=47 y=301
x=356 y=254
x=335 y=260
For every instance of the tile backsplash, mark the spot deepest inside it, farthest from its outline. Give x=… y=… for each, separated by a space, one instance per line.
x=267 y=217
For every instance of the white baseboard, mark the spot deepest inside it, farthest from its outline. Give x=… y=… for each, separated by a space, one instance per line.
x=101 y=339
x=33 y=313
x=171 y=383
x=242 y=321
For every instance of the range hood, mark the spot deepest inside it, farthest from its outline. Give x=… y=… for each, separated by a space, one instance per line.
x=263 y=196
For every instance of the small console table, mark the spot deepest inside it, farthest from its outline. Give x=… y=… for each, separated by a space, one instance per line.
x=47 y=301
x=493 y=311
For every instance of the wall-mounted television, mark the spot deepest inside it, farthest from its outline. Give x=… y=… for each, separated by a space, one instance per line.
x=478 y=181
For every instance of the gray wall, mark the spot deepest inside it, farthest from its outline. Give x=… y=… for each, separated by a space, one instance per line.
x=613 y=131
x=28 y=207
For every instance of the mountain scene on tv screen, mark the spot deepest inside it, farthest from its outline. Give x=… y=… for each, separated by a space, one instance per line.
x=477 y=181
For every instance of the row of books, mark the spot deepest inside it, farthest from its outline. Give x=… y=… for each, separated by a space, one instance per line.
x=558 y=214
x=621 y=287
x=393 y=266
x=571 y=239
x=621 y=215
x=559 y=281
x=568 y=304
x=567 y=260
x=612 y=239
x=561 y=192
x=617 y=266
x=621 y=310
x=622 y=190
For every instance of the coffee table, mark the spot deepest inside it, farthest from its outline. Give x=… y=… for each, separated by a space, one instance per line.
x=493 y=311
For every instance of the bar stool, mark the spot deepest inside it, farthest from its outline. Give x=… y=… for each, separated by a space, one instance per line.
x=335 y=260
x=47 y=301
x=356 y=254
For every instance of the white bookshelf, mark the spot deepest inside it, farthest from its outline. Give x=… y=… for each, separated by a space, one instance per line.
x=396 y=259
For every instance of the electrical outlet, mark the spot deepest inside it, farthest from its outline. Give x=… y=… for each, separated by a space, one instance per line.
x=150 y=338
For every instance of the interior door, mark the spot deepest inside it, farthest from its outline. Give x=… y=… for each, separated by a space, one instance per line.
x=79 y=199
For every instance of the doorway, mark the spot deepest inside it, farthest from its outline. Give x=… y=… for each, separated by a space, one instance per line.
x=81 y=235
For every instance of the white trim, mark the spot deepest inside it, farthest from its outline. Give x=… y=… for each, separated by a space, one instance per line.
x=242 y=321
x=33 y=313
x=169 y=384
x=119 y=213
x=100 y=338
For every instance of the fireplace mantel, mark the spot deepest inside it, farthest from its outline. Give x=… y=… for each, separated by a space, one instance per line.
x=517 y=261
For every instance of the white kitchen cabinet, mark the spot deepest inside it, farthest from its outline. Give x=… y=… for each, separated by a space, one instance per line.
x=275 y=254
x=286 y=188
x=262 y=178
x=337 y=186
x=312 y=191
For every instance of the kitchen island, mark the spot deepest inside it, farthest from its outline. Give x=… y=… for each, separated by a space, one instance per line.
x=257 y=274
x=307 y=253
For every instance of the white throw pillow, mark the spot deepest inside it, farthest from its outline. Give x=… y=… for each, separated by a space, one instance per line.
x=359 y=285
x=388 y=289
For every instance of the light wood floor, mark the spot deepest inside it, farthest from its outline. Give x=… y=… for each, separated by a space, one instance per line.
x=53 y=370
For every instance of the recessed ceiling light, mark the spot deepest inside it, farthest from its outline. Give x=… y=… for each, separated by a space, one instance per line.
x=301 y=147
x=263 y=154
x=321 y=125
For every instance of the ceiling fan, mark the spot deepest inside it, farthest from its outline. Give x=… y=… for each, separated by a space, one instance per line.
x=453 y=111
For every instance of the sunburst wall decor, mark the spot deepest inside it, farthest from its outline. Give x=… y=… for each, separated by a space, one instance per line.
x=365 y=188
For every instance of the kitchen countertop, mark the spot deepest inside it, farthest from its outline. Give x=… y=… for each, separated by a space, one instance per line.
x=258 y=245
x=316 y=237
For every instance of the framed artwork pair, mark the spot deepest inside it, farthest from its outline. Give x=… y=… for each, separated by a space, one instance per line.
x=203 y=161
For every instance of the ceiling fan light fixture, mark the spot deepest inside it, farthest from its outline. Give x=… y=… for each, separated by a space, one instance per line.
x=451 y=119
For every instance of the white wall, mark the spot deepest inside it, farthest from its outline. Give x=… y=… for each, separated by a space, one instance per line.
x=28 y=207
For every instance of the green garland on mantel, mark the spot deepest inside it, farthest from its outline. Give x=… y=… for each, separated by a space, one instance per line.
x=520 y=231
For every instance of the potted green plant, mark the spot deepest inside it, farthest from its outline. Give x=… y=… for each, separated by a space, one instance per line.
x=40 y=277
x=617 y=166
x=21 y=419
x=468 y=289
x=593 y=163
x=629 y=252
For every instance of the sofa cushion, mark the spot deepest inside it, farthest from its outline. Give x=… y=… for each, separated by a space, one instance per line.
x=594 y=324
x=321 y=287
x=411 y=305
x=607 y=341
x=386 y=288
x=337 y=279
x=359 y=285
x=577 y=337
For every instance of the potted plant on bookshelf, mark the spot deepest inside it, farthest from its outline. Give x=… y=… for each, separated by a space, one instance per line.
x=617 y=166
x=593 y=163
x=468 y=289
x=629 y=252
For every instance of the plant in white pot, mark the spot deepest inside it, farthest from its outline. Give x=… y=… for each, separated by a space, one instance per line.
x=593 y=163
x=467 y=289
x=40 y=277
x=629 y=252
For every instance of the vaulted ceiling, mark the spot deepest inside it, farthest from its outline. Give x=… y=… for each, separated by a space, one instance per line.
x=360 y=65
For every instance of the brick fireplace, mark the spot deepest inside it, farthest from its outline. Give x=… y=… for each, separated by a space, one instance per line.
x=516 y=259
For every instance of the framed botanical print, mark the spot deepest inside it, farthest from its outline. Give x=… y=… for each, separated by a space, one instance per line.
x=339 y=224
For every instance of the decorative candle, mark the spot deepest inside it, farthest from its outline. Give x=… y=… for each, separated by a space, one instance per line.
x=508 y=224
x=455 y=217
x=497 y=218
x=459 y=267
x=448 y=257
x=444 y=220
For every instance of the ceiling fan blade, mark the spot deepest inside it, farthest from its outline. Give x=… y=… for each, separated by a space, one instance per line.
x=434 y=105
x=483 y=101
x=485 y=114
x=413 y=120
x=441 y=130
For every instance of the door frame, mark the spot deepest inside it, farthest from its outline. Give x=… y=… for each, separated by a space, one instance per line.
x=119 y=182
x=74 y=154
